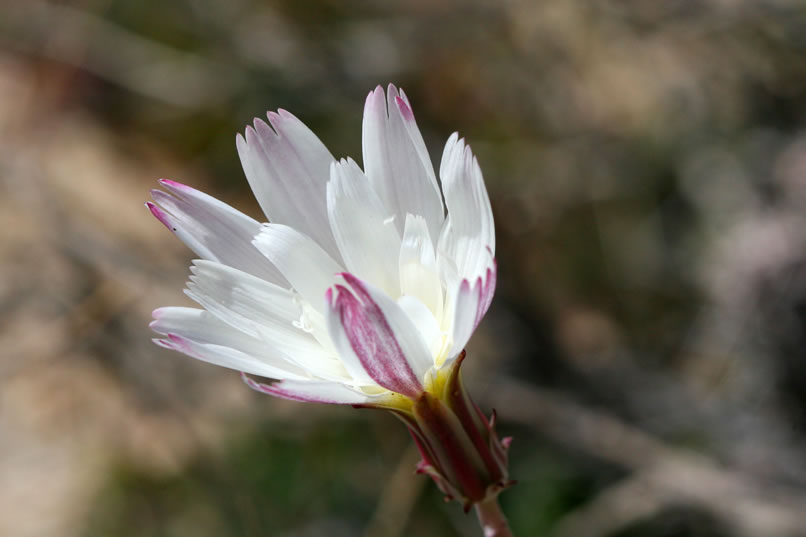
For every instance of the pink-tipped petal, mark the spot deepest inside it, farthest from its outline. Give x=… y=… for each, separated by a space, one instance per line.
x=470 y=305
x=211 y=228
x=397 y=163
x=487 y=292
x=160 y=215
x=405 y=109
x=170 y=183
x=468 y=237
x=198 y=334
x=288 y=167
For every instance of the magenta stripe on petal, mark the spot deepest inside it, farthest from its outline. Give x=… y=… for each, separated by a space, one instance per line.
x=373 y=340
x=486 y=292
x=484 y=288
x=478 y=290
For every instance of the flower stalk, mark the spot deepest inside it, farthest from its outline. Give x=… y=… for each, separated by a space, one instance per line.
x=459 y=446
x=492 y=520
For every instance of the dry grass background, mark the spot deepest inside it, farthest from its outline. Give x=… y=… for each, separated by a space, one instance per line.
x=647 y=168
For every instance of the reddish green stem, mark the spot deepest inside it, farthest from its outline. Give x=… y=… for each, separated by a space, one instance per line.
x=492 y=519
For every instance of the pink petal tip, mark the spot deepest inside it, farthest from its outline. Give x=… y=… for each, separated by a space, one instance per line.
x=160 y=215
x=174 y=184
x=405 y=109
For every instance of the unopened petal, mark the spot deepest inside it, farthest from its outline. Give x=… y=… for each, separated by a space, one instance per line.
x=376 y=339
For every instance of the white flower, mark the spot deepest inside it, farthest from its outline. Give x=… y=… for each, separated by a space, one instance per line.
x=363 y=288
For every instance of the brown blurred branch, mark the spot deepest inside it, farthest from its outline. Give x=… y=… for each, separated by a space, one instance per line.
x=87 y=41
x=662 y=475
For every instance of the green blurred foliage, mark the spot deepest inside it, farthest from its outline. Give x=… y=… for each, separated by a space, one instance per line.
x=264 y=483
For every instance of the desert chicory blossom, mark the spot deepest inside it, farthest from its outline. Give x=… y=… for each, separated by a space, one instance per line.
x=362 y=289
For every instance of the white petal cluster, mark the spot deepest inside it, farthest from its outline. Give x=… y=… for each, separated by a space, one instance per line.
x=362 y=284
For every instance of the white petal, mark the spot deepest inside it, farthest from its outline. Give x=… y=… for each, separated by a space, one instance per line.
x=469 y=230
x=419 y=276
x=425 y=322
x=368 y=244
x=393 y=160
x=288 y=168
x=211 y=228
x=466 y=245
x=464 y=315
x=253 y=298
x=265 y=312
x=468 y=305
x=407 y=115
x=309 y=269
x=200 y=335
x=312 y=392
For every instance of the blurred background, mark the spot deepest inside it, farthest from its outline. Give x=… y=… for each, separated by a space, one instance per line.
x=646 y=163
